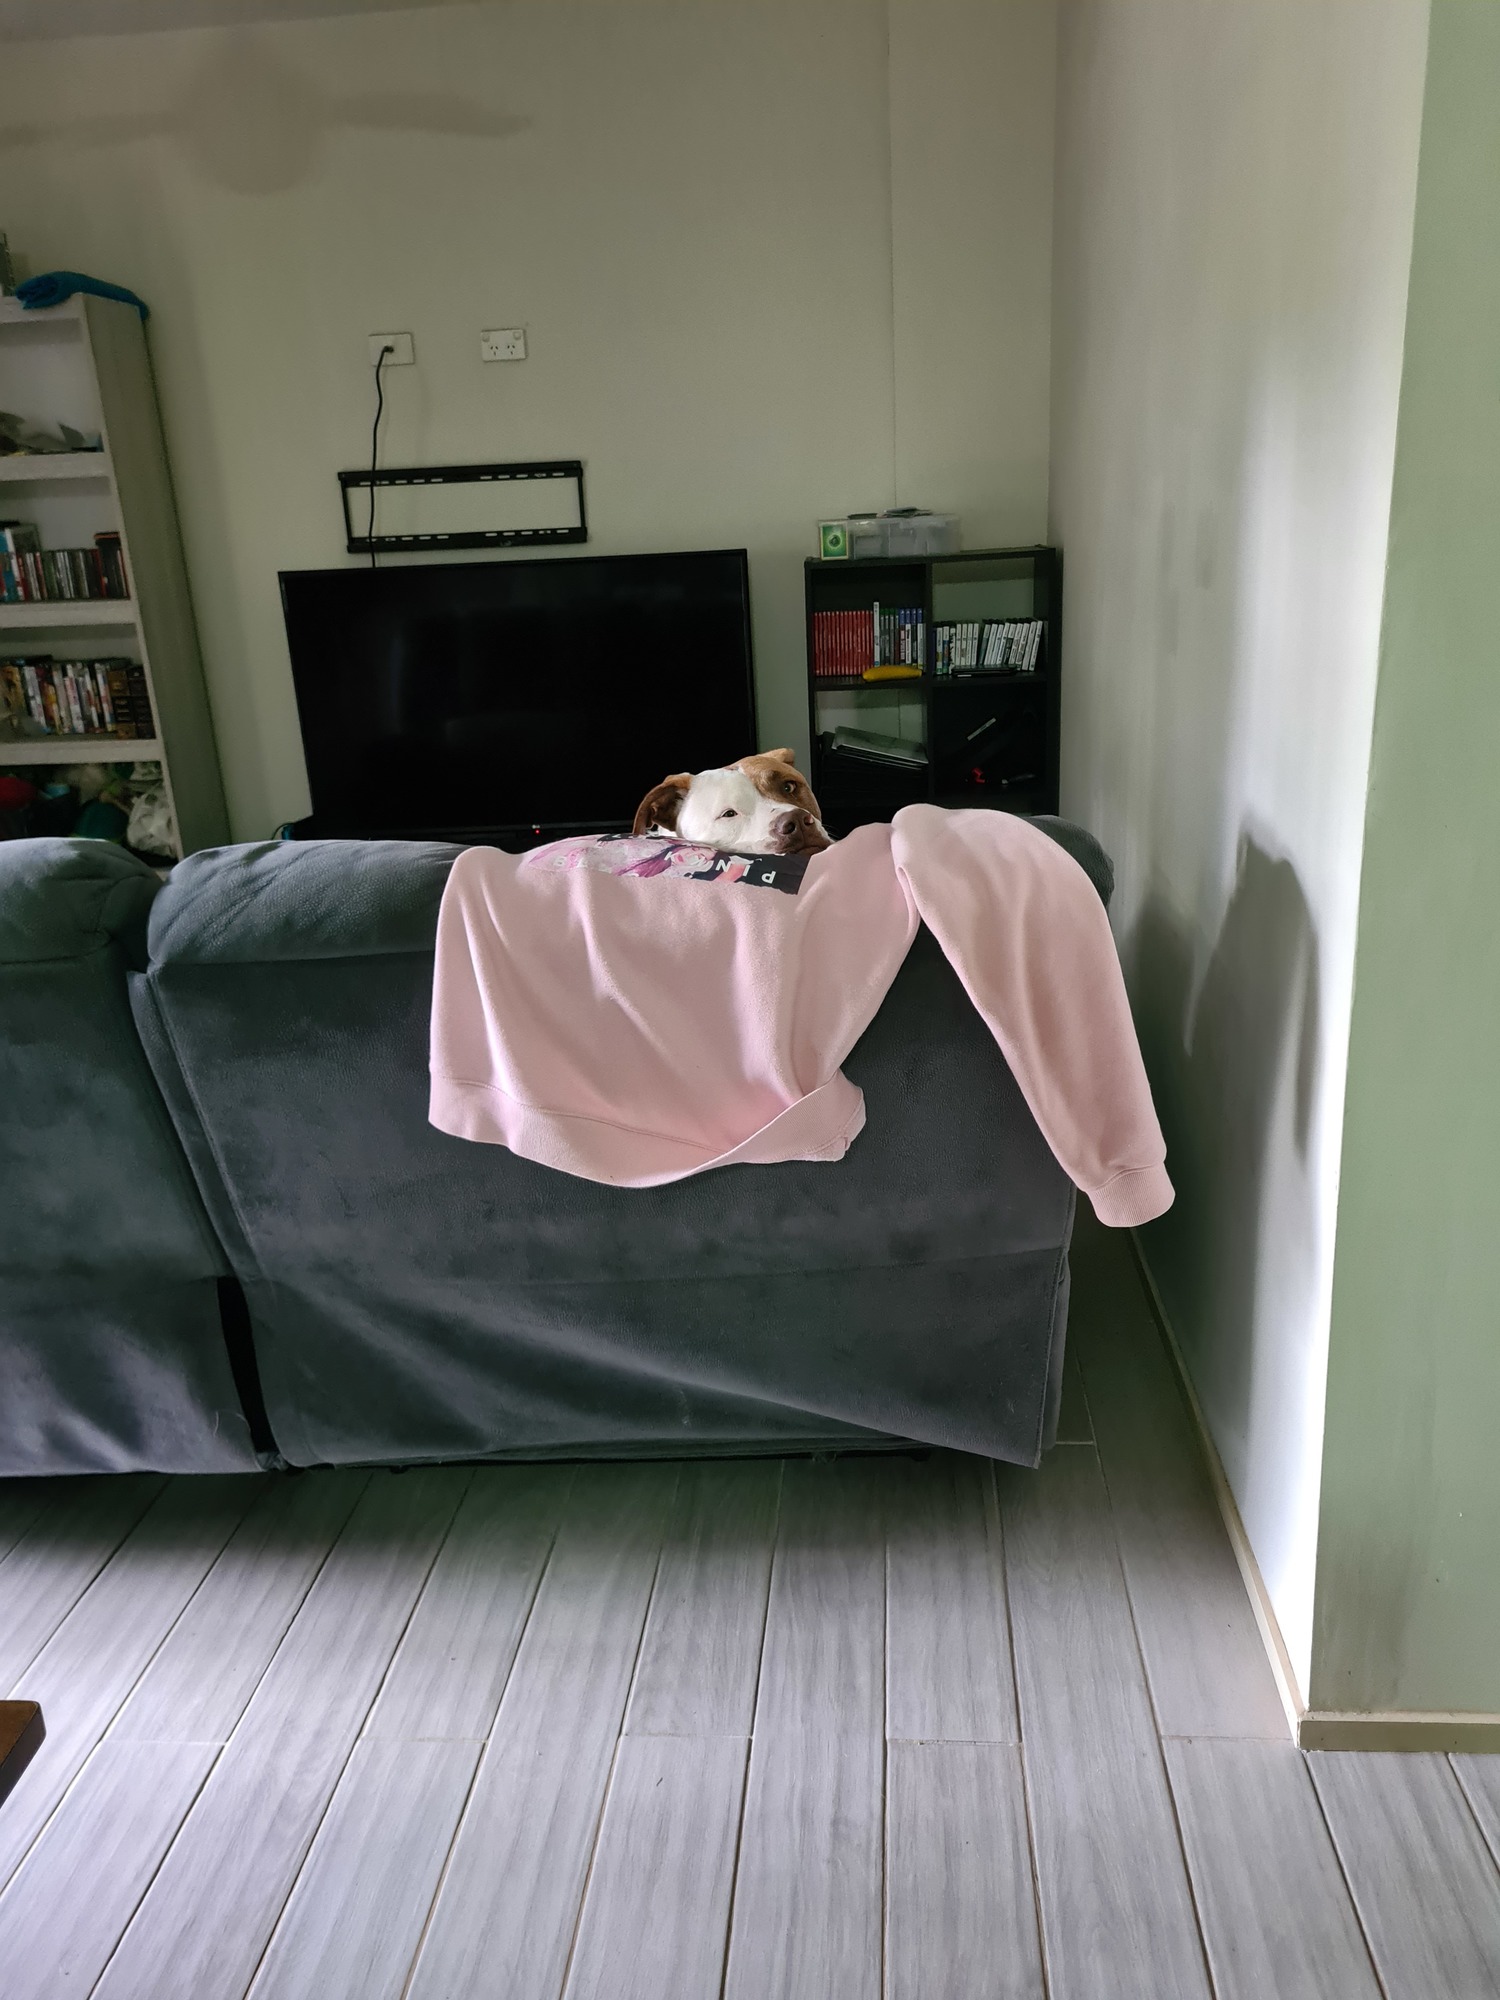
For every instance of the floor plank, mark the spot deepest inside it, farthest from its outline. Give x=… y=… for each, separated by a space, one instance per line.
x=69 y=1902
x=354 y=1921
x=54 y=1561
x=656 y=1919
x=96 y=1655
x=508 y=1907
x=197 y=1687
x=823 y=1667
x=1204 y=1656
x=1074 y=1423
x=948 y=1672
x=807 y=1905
x=1117 y=1914
x=22 y=1504
x=700 y=1658
x=200 y=1932
x=450 y=1672
x=1480 y=1779
x=1275 y=1909
x=1425 y=1885
x=961 y=1919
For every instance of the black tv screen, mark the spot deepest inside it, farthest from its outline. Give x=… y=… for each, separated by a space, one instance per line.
x=488 y=699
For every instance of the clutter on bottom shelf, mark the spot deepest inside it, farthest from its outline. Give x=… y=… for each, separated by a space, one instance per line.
x=876 y=747
x=151 y=829
x=126 y=803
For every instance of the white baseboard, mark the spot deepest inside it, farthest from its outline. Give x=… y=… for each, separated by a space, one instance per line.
x=1397 y=1729
x=1311 y=1728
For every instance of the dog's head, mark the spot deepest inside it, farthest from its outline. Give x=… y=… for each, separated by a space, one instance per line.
x=761 y=805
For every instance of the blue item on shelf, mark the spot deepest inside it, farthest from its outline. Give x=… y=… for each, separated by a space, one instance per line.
x=101 y=820
x=50 y=288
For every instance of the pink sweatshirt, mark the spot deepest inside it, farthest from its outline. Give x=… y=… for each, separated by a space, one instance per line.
x=637 y=1010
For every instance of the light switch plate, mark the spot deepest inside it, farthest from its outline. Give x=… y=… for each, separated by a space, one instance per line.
x=503 y=343
x=400 y=342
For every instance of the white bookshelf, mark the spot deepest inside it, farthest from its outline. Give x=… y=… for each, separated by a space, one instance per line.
x=117 y=613
x=63 y=750
x=86 y=363
x=60 y=464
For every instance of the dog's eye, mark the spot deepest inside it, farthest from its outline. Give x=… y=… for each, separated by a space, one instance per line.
x=729 y=813
x=789 y=786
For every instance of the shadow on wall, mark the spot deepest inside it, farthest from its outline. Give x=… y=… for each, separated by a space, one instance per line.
x=1234 y=1070
x=250 y=123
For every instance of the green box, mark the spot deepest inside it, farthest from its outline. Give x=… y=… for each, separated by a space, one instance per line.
x=833 y=540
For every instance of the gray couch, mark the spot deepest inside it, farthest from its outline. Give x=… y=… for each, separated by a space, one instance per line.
x=394 y=1294
x=112 y=1354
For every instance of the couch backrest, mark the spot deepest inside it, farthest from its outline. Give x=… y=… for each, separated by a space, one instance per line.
x=95 y=1179
x=112 y=1346
x=406 y=1283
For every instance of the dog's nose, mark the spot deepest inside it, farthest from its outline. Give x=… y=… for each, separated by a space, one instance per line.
x=797 y=830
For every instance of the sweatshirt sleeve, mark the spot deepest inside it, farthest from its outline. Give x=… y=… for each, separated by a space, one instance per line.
x=1024 y=929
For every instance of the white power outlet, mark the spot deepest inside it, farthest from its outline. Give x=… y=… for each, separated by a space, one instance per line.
x=503 y=343
x=401 y=355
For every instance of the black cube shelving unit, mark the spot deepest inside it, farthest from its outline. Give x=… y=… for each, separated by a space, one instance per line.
x=988 y=737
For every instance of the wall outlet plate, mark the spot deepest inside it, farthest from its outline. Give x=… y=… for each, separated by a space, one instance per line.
x=503 y=343
x=401 y=342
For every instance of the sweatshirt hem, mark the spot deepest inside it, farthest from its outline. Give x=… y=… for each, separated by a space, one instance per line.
x=818 y=1127
x=1128 y=1199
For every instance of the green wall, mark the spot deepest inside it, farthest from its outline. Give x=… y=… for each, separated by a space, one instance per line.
x=1407 y=1604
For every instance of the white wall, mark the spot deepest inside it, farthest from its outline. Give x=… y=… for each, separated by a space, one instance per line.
x=1234 y=195
x=972 y=94
x=691 y=209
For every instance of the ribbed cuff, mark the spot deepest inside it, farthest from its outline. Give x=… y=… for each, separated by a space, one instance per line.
x=1131 y=1198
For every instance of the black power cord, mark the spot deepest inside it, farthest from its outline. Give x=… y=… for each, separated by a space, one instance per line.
x=375 y=442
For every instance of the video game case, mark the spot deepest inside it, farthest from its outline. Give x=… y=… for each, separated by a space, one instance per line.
x=13 y=690
x=145 y=721
x=78 y=713
x=111 y=552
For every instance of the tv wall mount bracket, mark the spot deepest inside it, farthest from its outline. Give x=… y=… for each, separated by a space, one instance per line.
x=567 y=491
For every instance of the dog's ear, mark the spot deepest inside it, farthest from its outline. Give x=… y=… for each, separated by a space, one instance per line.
x=782 y=756
x=662 y=804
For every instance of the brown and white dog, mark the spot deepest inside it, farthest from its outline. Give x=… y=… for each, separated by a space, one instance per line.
x=761 y=805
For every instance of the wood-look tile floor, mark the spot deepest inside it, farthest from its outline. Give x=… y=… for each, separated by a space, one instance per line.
x=868 y=1729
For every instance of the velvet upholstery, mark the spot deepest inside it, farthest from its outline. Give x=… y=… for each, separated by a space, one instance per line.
x=112 y=1355
x=414 y=1296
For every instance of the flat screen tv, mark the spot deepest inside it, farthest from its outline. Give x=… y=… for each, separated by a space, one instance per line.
x=506 y=700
